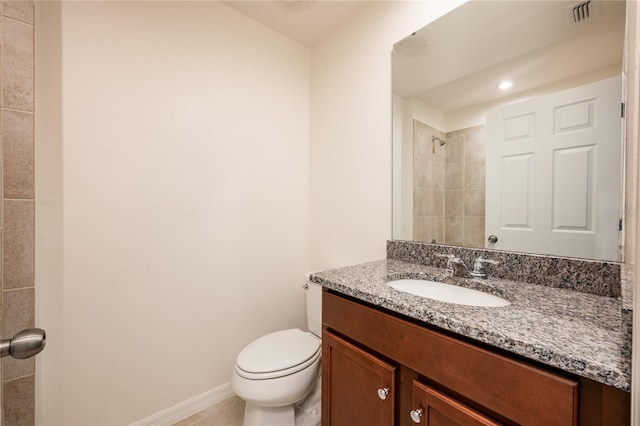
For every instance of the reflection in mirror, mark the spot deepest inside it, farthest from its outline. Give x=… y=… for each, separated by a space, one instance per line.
x=507 y=128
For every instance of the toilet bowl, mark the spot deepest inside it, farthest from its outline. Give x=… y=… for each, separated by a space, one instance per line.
x=278 y=374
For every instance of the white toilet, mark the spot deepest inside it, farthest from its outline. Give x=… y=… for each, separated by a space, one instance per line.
x=278 y=375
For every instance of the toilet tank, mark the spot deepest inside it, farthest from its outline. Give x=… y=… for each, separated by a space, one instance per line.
x=314 y=307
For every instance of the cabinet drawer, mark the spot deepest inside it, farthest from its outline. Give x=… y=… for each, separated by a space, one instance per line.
x=434 y=408
x=521 y=392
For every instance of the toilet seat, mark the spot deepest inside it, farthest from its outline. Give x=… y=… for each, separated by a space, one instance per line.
x=278 y=354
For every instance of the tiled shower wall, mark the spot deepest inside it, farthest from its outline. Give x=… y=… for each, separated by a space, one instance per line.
x=428 y=184
x=464 y=187
x=18 y=209
x=448 y=185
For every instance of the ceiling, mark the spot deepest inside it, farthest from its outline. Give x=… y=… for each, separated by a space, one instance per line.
x=305 y=21
x=458 y=60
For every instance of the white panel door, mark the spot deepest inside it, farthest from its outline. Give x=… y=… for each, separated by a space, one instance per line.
x=553 y=173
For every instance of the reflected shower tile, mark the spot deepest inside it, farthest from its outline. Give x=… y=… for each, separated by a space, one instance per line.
x=453 y=205
x=474 y=231
x=437 y=203
x=453 y=230
x=422 y=173
x=474 y=174
x=474 y=147
x=437 y=175
x=437 y=229
x=434 y=150
x=422 y=199
x=453 y=176
x=474 y=202
x=422 y=228
x=454 y=150
x=441 y=151
x=421 y=140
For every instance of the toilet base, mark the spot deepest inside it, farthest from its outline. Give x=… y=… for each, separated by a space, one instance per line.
x=305 y=413
x=309 y=417
x=269 y=416
x=309 y=410
x=281 y=416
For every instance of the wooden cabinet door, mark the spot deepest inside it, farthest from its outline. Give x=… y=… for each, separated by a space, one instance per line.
x=434 y=408
x=352 y=380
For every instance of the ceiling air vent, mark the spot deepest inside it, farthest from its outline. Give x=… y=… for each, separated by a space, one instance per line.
x=581 y=12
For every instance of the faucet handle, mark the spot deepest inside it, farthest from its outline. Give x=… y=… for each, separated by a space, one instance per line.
x=451 y=259
x=478 y=267
x=446 y=256
x=480 y=261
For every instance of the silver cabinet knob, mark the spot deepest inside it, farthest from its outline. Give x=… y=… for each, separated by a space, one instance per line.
x=25 y=344
x=382 y=393
x=416 y=415
x=492 y=239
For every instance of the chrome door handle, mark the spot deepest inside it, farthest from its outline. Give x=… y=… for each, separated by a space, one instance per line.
x=416 y=415
x=383 y=393
x=25 y=344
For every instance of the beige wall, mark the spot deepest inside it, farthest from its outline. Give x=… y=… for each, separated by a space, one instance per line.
x=350 y=152
x=183 y=201
x=180 y=174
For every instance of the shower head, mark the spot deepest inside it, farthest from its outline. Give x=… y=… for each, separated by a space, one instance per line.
x=440 y=141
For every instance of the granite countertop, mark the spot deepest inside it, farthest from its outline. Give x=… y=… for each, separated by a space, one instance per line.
x=577 y=332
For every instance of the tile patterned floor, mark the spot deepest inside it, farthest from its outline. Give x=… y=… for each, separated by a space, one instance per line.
x=226 y=413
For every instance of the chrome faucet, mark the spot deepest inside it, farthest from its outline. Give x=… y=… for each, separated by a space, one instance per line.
x=452 y=263
x=478 y=267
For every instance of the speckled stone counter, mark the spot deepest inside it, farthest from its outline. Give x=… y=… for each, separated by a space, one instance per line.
x=571 y=330
x=584 y=275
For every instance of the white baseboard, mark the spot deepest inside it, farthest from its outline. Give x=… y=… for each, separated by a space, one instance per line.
x=187 y=408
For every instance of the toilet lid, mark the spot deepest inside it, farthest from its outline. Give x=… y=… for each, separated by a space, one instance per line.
x=278 y=351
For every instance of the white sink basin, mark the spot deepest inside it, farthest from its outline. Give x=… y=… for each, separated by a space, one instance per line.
x=448 y=293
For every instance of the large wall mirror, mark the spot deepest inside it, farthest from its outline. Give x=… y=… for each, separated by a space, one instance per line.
x=507 y=128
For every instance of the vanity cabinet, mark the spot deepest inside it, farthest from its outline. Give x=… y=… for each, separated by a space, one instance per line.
x=360 y=387
x=451 y=380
